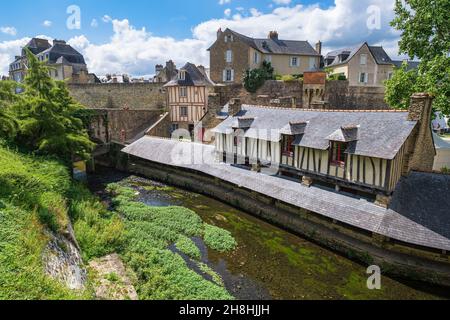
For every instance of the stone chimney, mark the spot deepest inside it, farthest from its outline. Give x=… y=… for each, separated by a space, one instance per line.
x=234 y=107
x=421 y=150
x=319 y=47
x=273 y=35
x=55 y=42
x=219 y=33
x=158 y=68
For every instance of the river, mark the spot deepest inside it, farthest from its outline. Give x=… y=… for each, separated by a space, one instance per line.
x=269 y=262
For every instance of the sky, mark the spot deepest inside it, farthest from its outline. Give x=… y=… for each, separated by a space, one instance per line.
x=132 y=36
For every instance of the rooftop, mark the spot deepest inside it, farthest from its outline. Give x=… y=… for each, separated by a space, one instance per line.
x=418 y=214
x=277 y=46
x=344 y=55
x=378 y=134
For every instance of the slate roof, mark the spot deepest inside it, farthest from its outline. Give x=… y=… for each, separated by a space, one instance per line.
x=411 y=64
x=378 y=53
x=61 y=49
x=194 y=77
x=380 y=134
x=37 y=45
x=419 y=212
x=271 y=46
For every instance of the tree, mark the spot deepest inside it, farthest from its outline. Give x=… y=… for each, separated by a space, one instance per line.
x=425 y=35
x=255 y=78
x=47 y=116
x=8 y=124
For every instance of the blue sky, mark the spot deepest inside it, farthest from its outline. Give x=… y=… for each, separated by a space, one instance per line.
x=165 y=18
x=137 y=34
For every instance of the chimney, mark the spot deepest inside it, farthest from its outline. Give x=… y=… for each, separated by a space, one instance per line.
x=422 y=151
x=234 y=107
x=219 y=33
x=319 y=47
x=55 y=42
x=273 y=35
x=158 y=68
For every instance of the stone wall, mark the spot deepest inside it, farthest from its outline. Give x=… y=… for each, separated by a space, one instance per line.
x=109 y=125
x=149 y=96
x=338 y=95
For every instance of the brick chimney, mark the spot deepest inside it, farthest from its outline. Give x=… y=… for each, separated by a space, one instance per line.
x=319 y=47
x=422 y=150
x=234 y=107
x=273 y=35
x=219 y=33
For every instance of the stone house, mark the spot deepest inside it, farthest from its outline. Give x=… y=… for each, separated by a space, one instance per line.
x=233 y=53
x=359 y=151
x=64 y=61
x=363 y=65
x=165 y=74
x=187 y=97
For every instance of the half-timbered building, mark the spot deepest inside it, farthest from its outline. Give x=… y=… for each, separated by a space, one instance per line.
x=187 y=97
x=365 y=151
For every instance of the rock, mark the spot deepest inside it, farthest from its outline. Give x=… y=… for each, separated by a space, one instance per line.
x=111 y=280
x=63 y=262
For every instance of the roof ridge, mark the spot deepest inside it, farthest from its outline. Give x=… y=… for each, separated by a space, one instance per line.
x=327 y=110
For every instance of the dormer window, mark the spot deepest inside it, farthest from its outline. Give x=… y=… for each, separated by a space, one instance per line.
x=287 y=147
x=338 y=156
x=182 y=75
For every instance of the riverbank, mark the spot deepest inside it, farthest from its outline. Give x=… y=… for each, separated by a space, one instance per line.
x=400 y=258
x=268 y=262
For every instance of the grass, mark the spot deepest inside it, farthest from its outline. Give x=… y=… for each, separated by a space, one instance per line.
x=31 y=201
x=161 y=273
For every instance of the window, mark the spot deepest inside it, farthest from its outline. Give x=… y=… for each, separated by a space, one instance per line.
x=312 y=63
x=389 y=76
x=56 y=73
x=229 y=56
x=288 y=148
x=228 y=75
x=363 y=77
x=182 y=75
x=294 y=62
x=256 y=58
x=338 y=153
x=174 y=127
x=229 y=39
x=363 y=59
x=183 y=111
x=183 y=92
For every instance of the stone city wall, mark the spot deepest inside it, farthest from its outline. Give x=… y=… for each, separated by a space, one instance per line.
x=149 y=96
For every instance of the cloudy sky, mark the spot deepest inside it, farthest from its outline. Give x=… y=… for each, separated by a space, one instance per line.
x=132 y=36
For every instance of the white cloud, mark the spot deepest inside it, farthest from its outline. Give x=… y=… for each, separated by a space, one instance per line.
x=94 y=23
x=136 y=51
x=255 y=12
x=227 y=12
x=47 y=23
x=282 y=2
x=106 y=18
x=8 y=30
x=222 y=2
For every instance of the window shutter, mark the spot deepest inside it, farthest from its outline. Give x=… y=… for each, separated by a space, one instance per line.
x=224 y=77
x=232 y=75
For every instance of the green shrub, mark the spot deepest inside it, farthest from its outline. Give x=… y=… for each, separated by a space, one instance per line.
x=188 y=247
x=219 y=239
x=255 y=78
x=288 y=78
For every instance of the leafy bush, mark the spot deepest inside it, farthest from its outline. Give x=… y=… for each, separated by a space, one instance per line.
x=255 y=78
x=219 y=239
